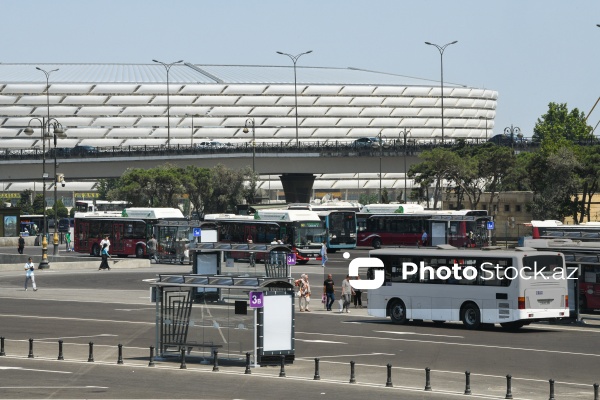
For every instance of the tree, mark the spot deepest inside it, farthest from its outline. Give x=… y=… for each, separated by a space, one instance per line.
x=561 y=128
x=588 y=172
x=25 y=202
x=433 y=170
x=196 y=183
x=554 y=183
x=104 y=186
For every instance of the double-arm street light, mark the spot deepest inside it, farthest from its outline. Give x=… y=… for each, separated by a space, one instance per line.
x=295 y=60
x=251 y=124
x=441 y=50
x=168 y=67
x=511 y=131
x=46 y=124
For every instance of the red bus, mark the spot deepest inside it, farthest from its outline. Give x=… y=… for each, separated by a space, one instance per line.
x=550 y=229
x=302 y=230
x=462 y=228
x=128 y=233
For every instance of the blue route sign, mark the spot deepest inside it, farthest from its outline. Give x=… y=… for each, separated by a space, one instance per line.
x=256 y=300
x=291 y=259
x=197 y=232
x=490 y=225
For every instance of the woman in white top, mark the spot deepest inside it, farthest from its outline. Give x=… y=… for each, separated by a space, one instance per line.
x=304 y=293
x=347 y=293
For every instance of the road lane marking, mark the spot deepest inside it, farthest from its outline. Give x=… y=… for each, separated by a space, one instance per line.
x=319 y=341
x=53 y=387
x=76 y=319
x=36 y=370
x=337 y=335
x=346 y=355
x=419 y=334
x=77 y=337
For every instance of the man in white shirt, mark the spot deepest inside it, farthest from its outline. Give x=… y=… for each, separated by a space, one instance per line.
x=105 y=240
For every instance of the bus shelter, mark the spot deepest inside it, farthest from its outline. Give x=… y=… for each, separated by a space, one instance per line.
x=174 y=239
x=252 y=314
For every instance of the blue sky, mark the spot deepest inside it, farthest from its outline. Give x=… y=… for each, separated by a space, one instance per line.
x=532 y=52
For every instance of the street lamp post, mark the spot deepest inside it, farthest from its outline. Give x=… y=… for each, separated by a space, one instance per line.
x=168 y=67
x=250 y=123
x=441 y=50
x=295 y=60
x=405 y=134
x=380 y=156
x=511 y=131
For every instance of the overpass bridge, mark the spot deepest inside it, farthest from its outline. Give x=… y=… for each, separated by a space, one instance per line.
x=296 y=166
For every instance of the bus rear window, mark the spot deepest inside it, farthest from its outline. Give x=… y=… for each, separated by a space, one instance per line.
x=544 y=265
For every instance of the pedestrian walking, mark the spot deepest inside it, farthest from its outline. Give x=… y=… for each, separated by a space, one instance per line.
x=21 y=244
x=347 y=292
x=304 y=293
x=357 y=295
x=105 y=257
x=323 y=254
x=29 y=276
x=424 y=238
x=68 y=241
x=106 y=242
x=152 y=246
x=329 y=291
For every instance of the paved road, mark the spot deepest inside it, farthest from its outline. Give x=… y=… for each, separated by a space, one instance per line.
x=112 y=307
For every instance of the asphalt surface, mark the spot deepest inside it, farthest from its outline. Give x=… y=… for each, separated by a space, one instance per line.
x=112 y=307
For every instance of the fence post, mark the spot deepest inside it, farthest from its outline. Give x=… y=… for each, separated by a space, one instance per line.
x=151 y=363
x=468 y=382
x=91 y=355
x=596 y=392
x=508 y=387
x=247 y=371
x=282 y=369
x=183 y=365
x=352 y=377
x=60 y=350
x=30 y=348
x=120 y=357
x=427 y=379
x=388 y=383
x=551 y=381
x=215 y=360
x=317 y=376
x=2 y=353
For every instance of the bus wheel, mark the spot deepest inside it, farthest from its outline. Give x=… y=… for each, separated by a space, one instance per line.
x=398 y=312
x=95 y=250
x=376 y=243
x=471 y=316
x=139 y=251
x=512 y=326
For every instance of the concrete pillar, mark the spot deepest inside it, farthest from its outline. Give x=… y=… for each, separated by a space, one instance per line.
x=297 y=187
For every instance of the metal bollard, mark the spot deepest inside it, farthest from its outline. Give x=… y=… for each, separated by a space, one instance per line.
x=551 y=381
x=151 y=363
x=2 y=353
x=30 y=348
x=508 y=387
x=120 y=358
x=388 y=383
x=183 y=366
x=60 y=352
x=282 y=369
x=468 y=382
x=596 y=392
x=91 y=355
x=352 y=377
x=215 y=360
x=317 y=376
x=247 y=371
x=427 y=379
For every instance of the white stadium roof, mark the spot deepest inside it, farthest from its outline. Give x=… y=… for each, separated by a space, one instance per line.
x=125 y=104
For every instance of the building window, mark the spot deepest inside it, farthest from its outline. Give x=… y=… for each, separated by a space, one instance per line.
x=518 y=208
x=507 y=208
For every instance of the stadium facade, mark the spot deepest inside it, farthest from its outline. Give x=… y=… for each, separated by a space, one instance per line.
x=126 y=104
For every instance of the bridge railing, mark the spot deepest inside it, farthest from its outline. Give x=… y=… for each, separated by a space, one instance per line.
x=392 y=147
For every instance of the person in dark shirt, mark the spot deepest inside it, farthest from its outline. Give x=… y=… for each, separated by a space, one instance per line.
x=329 y=291
x=21 y=245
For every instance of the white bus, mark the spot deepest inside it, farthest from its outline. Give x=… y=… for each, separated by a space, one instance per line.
x=509 y=287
